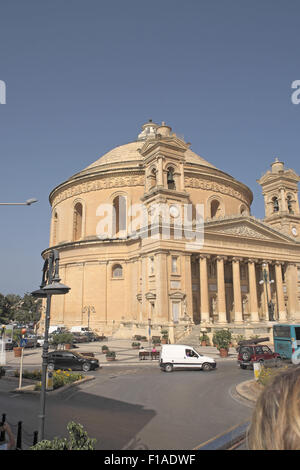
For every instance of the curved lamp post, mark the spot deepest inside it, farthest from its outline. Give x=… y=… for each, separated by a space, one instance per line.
x=26 y=203
x=50 y=286
x=89 y=309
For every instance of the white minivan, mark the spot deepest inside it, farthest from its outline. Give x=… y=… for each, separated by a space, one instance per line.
x=179 y=356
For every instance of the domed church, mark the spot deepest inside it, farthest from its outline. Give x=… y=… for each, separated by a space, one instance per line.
x=152 y=233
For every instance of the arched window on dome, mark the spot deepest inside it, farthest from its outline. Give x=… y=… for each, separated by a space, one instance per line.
x=55 y=228
x=243 y=210
x=215 y=208
x=170 y=178
x=117 y=271
x=77 y=221
x=119 y=215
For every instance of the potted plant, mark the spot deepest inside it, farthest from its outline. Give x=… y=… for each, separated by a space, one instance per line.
x=110 y=356
x=204 y=340
x=65 y=339
x=221 y=340
x=165 y=337
x=156 y=341
x=17 y=336
x=105 y=349
x=135 y=345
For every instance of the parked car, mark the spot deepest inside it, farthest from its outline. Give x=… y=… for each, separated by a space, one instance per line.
x=250 y=353
x=78 y=338
x=178 y=356
x=71 y=360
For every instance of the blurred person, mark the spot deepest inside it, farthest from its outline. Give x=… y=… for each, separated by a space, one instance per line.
x=7 y=445
x=275 y=423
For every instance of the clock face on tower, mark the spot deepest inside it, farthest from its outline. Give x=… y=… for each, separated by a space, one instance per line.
x=294 y=231
x=174 y=211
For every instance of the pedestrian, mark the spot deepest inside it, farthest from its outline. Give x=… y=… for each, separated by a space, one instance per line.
x=275 y=423
x=10 y=444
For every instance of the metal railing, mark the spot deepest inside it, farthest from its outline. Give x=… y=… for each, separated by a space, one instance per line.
x=231 y=439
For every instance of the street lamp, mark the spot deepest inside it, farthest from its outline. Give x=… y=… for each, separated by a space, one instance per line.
x=266 y=280
x=26 y=203
x=88 y=309
x=50 y=286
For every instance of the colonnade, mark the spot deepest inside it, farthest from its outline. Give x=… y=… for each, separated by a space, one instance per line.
x=285 y=289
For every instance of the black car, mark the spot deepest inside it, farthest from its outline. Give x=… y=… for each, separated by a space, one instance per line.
x=71 y=360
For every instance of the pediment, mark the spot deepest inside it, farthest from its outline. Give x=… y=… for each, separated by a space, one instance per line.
x=246 y=227
x=172 y=141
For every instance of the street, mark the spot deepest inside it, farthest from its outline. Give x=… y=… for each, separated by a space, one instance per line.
x=139 y=406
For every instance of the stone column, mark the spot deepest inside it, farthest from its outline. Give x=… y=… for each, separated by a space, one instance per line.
x=188 y=285
x=161 y=276
x=279 y=291
x=292 y=290
x=238 y=311
x=159 y=180
x=181 y=177
x=253 y=291
x=221 y=289
x=204 y=302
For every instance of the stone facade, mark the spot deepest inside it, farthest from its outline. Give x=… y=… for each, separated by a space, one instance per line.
x=131 y=278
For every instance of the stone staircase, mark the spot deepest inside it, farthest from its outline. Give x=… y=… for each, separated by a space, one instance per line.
x=192 y=338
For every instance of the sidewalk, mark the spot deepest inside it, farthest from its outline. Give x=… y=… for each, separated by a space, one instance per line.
x=125 y=355
x=249 y=390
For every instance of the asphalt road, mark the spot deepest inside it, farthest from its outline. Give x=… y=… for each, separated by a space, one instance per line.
x=139 y=407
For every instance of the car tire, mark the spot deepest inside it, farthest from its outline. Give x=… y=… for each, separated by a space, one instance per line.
x=51 y=366
x=207 y=366
x=168 y=368
x=86 y=367
x=242 y=366
x=246 y=356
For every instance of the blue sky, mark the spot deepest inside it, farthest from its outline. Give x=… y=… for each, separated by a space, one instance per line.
x=83 y=76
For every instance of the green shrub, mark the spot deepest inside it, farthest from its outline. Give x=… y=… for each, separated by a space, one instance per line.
x=62 y=338
x=61 y=378
x=78 y=440
x=111 y=354
x=267 y=374
x=222 y=339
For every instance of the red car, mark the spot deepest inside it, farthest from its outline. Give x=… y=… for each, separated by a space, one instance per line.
x=250 y=353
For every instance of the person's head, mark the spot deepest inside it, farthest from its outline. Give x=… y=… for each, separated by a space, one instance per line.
x=275 y=422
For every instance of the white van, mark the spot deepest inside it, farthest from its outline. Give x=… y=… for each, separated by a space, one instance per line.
x=179 y=356
x=79 y=329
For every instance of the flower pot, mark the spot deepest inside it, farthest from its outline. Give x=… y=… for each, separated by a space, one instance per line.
x=223 y=352
x=110 y=358
x=203 y=343
x=68 y=346
x=17 y=352
x=164 y=341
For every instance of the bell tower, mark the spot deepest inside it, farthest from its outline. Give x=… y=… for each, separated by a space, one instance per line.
x=163 y=154
x=280 y=191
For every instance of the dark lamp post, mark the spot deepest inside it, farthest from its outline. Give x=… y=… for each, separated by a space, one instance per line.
x=50 y=286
